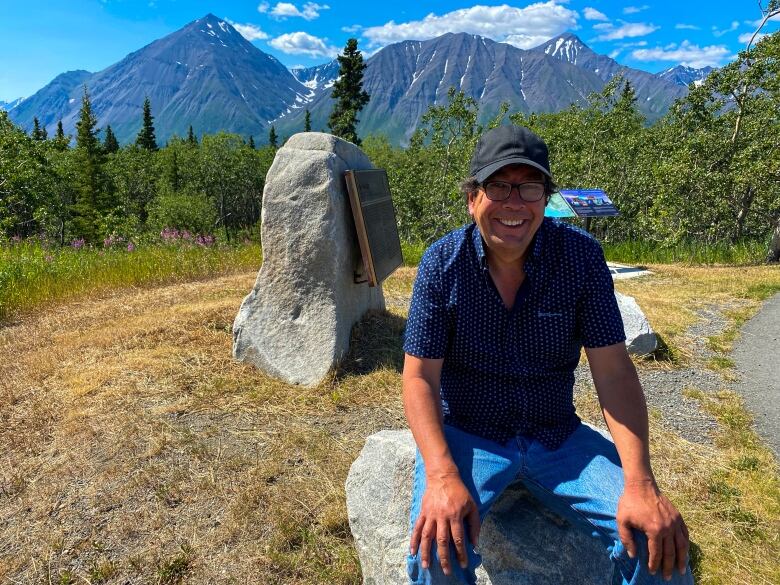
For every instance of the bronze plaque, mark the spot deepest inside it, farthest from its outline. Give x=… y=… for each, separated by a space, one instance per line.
x=377 y=230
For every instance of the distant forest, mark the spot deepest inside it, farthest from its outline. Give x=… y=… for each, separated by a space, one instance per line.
x=707 y=172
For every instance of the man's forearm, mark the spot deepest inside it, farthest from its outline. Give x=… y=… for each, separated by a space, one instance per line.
x=625 y=412
x=423 y=413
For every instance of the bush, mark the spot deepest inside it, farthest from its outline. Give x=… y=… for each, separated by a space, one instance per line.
x=184 y=211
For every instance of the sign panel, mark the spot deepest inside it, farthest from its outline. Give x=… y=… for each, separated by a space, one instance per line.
x=377 y=230
x=589 y=202
x=557 y=207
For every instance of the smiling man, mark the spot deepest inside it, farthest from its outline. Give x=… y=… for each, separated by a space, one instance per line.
x=500 y=312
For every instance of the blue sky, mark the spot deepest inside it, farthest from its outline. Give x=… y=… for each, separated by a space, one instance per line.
x=41 y=39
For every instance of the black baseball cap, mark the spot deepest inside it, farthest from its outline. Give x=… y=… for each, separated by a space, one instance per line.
x=508 y=145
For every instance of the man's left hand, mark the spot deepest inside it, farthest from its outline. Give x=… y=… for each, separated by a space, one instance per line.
x=643 y=507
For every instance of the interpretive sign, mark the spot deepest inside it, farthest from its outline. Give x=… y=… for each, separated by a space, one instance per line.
x=377 y=230
x=589 y=202
x=557 y=207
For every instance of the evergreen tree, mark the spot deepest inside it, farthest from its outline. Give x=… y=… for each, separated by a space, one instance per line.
x=191 y=138
x=38 y=132
x=251 y=142
x=273 y=140
x=90 y=184
x=110 y=144
x=146 y=138
x=348 y=93
x=61 y=141
x=307 y=122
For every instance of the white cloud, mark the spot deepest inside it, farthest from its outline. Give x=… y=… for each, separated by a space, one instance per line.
x=686 y=54
x=301 y=43
x=686 y=27
x=719 y=33
x=614 y=54
x=634 y=9
x=625 y=30
x=593 y=14
x=283 y=10
x=351 y=29
x=249 y=31
x=523 y=27
x=745 y=38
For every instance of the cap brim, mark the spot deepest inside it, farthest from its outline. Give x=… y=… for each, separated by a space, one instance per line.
x=485 y=172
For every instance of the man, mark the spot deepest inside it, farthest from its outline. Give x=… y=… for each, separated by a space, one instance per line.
x=500 y=311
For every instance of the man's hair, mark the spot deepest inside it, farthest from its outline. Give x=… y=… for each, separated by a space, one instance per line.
x=470 y=185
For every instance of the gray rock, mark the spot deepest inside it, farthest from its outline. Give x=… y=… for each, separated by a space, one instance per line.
x=640 y=337
x=521 y=542
x=296 y=322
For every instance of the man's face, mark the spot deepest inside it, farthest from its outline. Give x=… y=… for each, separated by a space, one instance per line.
x=508 y=226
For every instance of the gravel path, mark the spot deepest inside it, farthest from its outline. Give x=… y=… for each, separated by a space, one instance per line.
x=757 y=355
x=664 y=388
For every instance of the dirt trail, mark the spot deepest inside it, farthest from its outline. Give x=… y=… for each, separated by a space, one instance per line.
x=757 y=355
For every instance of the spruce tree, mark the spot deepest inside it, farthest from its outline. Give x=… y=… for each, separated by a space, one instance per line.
x=90 y=185
x=307 y=122
x=251 y=142
x=348 y=93
x=146 y=138
x=191 y=138
x=60 y=140
x=39 y=132
x=110 y=144
x=273 y=140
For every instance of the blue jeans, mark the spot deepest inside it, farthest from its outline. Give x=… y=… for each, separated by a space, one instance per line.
x=582 y=480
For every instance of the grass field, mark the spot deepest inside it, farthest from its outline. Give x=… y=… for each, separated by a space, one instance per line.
x=133 y=449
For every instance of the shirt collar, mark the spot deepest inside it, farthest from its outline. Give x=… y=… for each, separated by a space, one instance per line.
x=532 y=259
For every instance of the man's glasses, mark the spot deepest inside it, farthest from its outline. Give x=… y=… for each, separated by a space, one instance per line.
x=501 y=190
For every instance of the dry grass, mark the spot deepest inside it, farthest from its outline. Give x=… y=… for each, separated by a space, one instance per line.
x=133 y=449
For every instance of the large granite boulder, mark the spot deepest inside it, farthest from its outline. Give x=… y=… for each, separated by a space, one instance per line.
x=640 y=337
x=521 y=542
x=296 y=322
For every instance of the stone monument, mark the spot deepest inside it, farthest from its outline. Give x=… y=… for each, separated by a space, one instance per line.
x=296 y=322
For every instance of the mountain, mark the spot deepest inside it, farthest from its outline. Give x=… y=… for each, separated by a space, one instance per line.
x=655 y=94
x=60 y=96
x=208 y=76
x=406 y=78
x=685 y=76
x=9 y=105
x=319 y=77
x=205 y=75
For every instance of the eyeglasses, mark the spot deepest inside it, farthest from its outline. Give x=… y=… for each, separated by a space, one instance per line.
x=501 y=190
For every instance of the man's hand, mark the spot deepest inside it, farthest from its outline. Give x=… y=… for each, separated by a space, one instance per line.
x=445 y=505
x=644 y=507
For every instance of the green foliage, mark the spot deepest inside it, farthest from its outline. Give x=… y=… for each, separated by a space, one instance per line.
x=273 y=139
x=146 y=138
x=191 y=138
x=193 y=212
x=39 y=132
x=307 y=121
x=348 y=93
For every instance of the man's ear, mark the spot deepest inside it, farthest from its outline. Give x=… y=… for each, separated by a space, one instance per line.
x=471 y=198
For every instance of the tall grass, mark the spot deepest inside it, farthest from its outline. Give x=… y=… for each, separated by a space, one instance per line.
x=647 y=252
x=32 y=275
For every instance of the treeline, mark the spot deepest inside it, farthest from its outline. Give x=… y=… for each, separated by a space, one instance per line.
x=708 y=172
x=97 y=190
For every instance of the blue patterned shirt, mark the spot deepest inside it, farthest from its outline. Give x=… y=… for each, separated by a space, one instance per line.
x=509 y=373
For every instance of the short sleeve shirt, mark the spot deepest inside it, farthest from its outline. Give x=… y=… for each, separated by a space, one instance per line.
x=511 y=372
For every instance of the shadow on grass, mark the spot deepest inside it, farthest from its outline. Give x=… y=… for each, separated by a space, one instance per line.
x=664 y=352
x=376 y=342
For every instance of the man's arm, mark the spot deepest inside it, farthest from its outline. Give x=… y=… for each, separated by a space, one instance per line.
x=446 y=502
x=642 y=505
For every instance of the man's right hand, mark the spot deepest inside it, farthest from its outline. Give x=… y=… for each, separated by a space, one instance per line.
x=446 y=505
